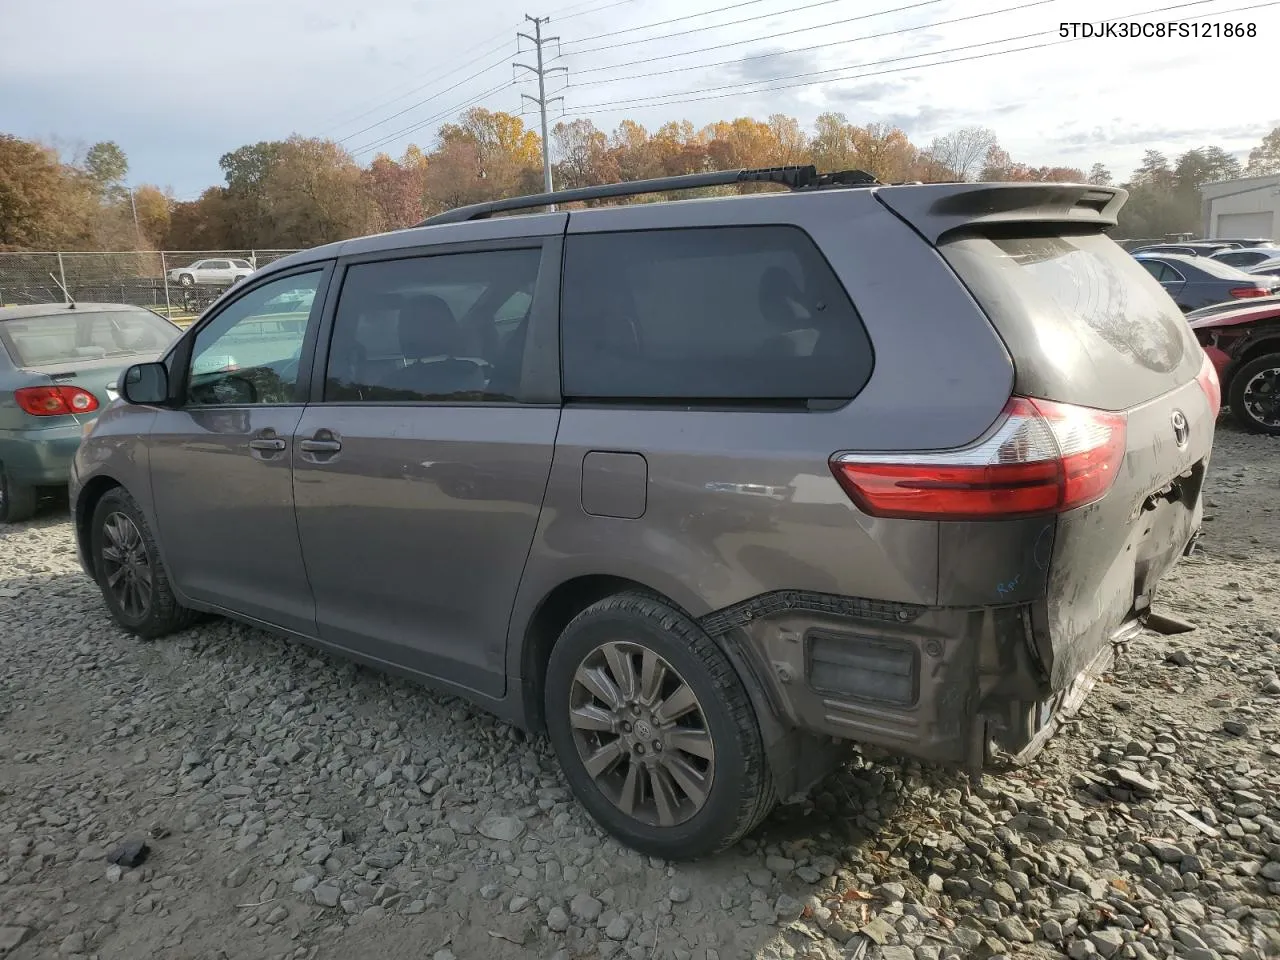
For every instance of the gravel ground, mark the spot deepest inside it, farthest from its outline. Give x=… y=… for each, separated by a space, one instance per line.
x=292 y=805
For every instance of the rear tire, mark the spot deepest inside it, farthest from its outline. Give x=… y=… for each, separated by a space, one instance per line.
x=1254 y=395
x=655 y=731
x=129 y=571
x=18 y=502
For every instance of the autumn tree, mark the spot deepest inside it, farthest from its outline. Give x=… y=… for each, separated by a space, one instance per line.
x=961 y=153
x=31 y=184
x=740 y=143
x=314 y=191
x=153 y=206
x=106 y=165
x=791 y=143
x=1056 y=175
x=203 y=224
x=582 y=155
x=508 y=157
x=677 y=148
x=834 y=143
x=246 y=170
x=998 y=166
x=884 y=151
x=398 y=189
x=1204 y=165
x=1264 y=159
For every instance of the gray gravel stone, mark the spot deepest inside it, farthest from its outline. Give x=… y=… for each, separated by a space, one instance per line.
x=1107 y=942
x=326 y=895
x=585 y=908
x=504 y=829
x=618 y=929
x=787 y=908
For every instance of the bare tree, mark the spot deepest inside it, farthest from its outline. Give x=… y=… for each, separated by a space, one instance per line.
x=963 y=151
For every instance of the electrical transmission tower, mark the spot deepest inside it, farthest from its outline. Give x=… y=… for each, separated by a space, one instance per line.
x=541 y=71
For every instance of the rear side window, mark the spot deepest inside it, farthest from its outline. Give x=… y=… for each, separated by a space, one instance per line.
x=1089 y=279
x=709 y=314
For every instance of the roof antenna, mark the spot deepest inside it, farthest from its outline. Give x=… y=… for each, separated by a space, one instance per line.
x=65 y=292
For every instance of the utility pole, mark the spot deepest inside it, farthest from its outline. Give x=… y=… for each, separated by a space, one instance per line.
x=541 y=71
x=137 y=231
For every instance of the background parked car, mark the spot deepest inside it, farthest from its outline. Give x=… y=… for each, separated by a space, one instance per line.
x=1192 y=249
x=58 y=367
x=1200 y=281
x=1243 y=341
x=1267 y=268
x=213 y=272
x=1247 y=256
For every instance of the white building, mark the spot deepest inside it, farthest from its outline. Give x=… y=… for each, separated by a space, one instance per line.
x=1248 y=208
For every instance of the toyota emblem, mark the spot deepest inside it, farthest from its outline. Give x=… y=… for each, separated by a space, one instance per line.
x=1181 y=429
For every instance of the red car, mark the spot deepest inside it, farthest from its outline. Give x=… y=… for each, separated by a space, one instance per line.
x=1243 y=341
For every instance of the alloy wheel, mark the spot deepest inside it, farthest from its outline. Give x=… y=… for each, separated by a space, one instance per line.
x=641 y=734
x=126 y=569
x=1262 y=397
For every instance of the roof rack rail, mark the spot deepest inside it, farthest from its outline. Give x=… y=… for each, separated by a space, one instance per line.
x=794 y=177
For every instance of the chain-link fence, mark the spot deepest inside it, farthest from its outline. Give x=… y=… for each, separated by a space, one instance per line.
x=179 y=283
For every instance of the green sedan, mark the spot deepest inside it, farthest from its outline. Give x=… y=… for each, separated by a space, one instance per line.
x=58 y=368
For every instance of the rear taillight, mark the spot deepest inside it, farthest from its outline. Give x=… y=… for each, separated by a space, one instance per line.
x=1043 y=457
x=1212 y=387
x=1242 y=292
x=55 y=401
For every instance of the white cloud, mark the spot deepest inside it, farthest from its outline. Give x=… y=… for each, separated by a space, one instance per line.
x=178 y=83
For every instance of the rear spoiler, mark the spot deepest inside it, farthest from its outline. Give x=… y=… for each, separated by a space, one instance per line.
x=935 y=210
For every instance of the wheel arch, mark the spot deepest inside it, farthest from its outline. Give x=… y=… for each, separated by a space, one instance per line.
x=1269 y=342
x=86 y=502
x=567 y=599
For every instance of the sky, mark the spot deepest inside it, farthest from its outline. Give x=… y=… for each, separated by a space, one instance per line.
x=178 y=83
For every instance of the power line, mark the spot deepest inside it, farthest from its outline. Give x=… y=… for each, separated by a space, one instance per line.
x=775 y=36
x=583 y=13
x=638 y=104
x=663 y=23
x=739 y=22
x=783 y=53
x=413 y=106
x=435 y=79
x=414 y=128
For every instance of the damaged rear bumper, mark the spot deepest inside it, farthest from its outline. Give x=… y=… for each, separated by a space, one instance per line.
x=949 y=685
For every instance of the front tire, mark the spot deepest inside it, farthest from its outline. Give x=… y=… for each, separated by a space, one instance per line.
x=18 y=501
x=129 y=571
x=654 y=730
x=186 y=279
x=1254 y=394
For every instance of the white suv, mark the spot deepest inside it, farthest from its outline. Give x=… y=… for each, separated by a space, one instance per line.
x=211 y=272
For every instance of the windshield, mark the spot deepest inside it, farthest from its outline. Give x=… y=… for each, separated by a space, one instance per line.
x=85 y=335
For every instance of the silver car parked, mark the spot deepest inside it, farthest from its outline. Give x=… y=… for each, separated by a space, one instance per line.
x=211 y=272
x=704 y=489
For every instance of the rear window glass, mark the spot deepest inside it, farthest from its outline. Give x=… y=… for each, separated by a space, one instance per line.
x=85 y=335
x=1088 y=278
x=725 y=313
x=1216 y=268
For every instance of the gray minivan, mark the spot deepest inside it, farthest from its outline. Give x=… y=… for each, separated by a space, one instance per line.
x=704 y=489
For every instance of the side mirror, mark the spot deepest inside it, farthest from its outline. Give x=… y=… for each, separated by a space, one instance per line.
x=145 y=383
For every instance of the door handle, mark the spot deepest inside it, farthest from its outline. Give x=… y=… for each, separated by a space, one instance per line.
x=320 y=446
x=266 y=443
